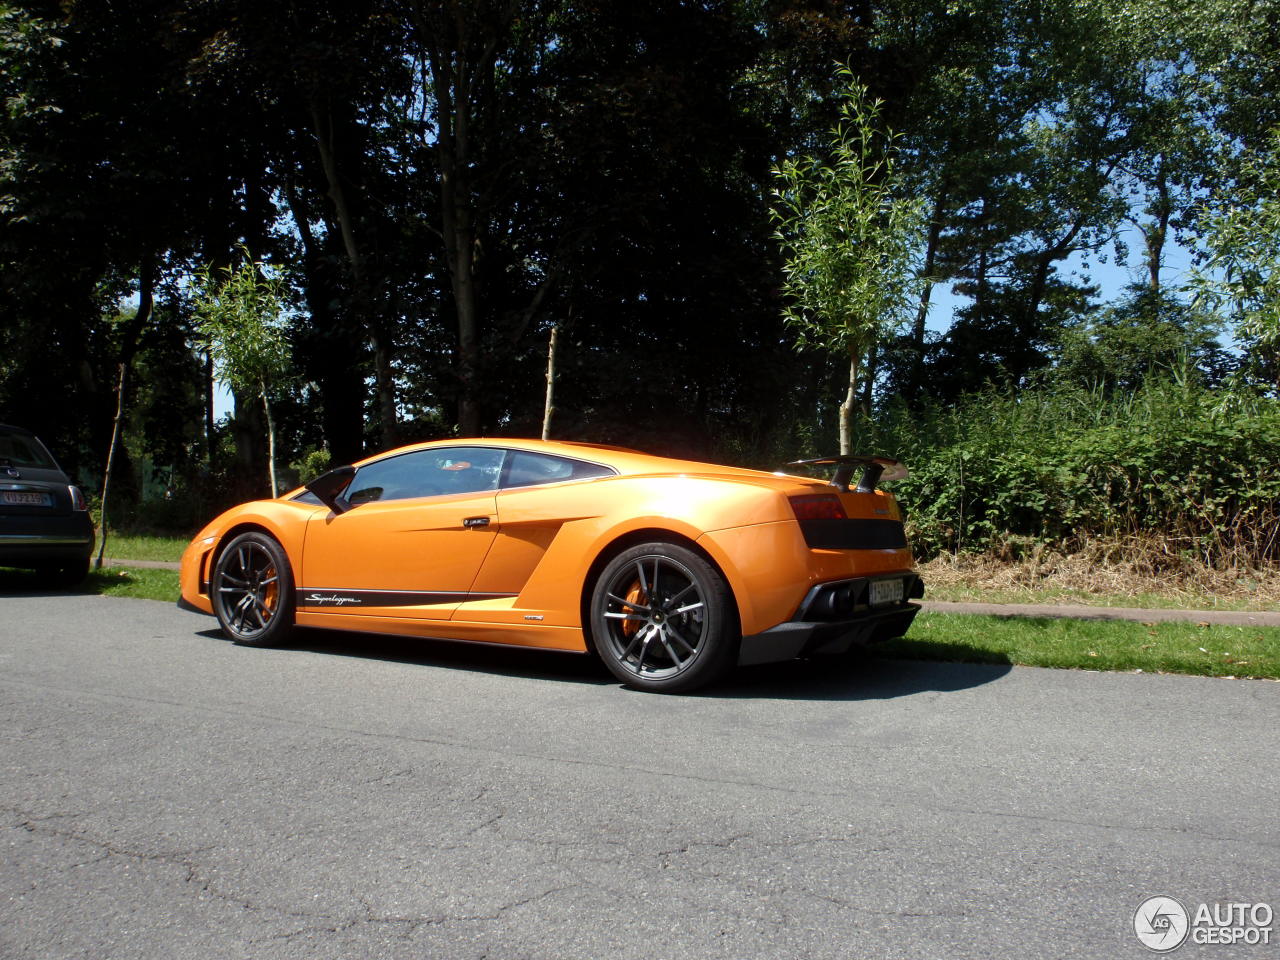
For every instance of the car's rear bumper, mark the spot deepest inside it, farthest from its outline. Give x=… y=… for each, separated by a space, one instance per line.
x=794 y=639
x=833 y=618
x=29 y=541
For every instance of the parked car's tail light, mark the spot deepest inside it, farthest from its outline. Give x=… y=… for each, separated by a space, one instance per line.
x=77 y=499
x=822 y=506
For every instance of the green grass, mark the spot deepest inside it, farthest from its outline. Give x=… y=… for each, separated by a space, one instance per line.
x=145 y=548
x=145 y=584
x=1215 y=651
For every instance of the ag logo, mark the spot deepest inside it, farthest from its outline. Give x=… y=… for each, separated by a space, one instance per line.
x=1161 y=923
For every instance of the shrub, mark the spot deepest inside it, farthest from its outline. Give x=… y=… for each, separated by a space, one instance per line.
x=1060 y=465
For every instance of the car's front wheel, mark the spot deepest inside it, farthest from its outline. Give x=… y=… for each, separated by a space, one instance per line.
x=663 y=619
x=252 y=591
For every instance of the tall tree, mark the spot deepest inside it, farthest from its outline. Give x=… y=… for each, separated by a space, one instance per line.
x=852 y=237
x=240 y=312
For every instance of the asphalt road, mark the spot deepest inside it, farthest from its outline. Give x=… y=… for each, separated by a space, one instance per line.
x=166 y=794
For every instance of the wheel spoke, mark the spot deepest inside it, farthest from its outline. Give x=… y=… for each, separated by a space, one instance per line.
x=626 y=616
x=675 y=660
x=675 y=635
x=639 y=635
x=687 y=607
x=644 y=586
x=241 y=610
x=672 y=601
x=627 y=603
x=644 y=648
x=680 y=634
x=228 y=578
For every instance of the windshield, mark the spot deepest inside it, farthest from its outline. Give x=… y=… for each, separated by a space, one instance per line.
x=24 y=450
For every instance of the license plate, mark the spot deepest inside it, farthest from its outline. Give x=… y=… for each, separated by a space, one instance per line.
x=885 y=591
x=17 y=498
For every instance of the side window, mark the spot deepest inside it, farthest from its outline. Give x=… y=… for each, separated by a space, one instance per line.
x=530 y=469
x=428 y=473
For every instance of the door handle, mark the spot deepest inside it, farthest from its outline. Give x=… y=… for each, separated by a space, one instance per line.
x=471 y=522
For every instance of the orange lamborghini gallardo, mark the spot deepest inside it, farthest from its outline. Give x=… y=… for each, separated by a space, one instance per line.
x=671 y=571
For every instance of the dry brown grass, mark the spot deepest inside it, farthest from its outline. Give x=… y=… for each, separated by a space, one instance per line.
x=1130 y=571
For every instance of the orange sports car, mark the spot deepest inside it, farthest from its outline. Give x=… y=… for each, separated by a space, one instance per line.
x=671 y=571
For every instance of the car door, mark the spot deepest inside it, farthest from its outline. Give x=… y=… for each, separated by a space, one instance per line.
x=417 y=532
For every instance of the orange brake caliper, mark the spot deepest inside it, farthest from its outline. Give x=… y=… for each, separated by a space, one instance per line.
x=634 y=595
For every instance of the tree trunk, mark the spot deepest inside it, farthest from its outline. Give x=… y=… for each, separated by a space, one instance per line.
x=457 y=218
x=384 y=376
x=850 y=404
x=549 y=408
x=1155 y=233
x=271 y=443
x=333 y=357
x=869 y=378
x=247 y=431
x=916 y=384
x=111 y=456
x=210 y=429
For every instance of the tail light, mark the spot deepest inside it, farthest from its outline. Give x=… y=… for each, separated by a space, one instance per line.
x=821 y=506
x=77 y=500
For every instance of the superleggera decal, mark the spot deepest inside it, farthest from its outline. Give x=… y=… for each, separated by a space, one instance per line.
x=387 y=598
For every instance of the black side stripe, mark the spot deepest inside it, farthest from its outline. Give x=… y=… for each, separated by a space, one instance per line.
x=324 y=597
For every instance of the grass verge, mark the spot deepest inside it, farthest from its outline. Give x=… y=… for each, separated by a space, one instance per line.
x=145 y=548
x=1211 y=651
x=145 y=584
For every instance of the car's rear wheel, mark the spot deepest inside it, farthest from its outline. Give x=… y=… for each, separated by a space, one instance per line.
x=252 y=591
x=662 y=618
x=68 y=574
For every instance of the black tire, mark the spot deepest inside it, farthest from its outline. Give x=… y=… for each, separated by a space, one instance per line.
x=252 y=591
x=64 y=575
x=663 y=619
x=72 y=574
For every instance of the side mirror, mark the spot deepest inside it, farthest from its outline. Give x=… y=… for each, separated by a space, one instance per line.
x=331 y=486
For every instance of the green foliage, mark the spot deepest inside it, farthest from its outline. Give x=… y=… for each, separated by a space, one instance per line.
x=1148 y=333
x=850 y=231
x=1242 y=274
x=310 y=465
x=240 y=312
x=1197 y=467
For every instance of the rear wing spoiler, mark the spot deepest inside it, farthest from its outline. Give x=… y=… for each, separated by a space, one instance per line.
x=874 y=470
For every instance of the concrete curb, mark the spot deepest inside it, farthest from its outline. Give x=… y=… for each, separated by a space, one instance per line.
x=150 y=564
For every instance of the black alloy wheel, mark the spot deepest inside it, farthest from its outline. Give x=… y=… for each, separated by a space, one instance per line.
x=252 y=591
x=663 y=619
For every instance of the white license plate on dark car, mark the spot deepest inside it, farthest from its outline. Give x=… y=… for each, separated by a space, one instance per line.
x=885 y=591
x=20 y=499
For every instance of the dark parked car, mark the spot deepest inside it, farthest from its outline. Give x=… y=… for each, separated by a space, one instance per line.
x=44 y=520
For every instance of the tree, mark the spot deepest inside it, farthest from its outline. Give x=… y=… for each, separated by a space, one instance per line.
x=1242 y=273
x=852 y=238
x=240 y=311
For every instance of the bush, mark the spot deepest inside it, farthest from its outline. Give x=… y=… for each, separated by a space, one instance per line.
x=1061 y=465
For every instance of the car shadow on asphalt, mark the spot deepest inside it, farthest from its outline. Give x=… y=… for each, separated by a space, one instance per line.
x=859 y=675
x=495 y=659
